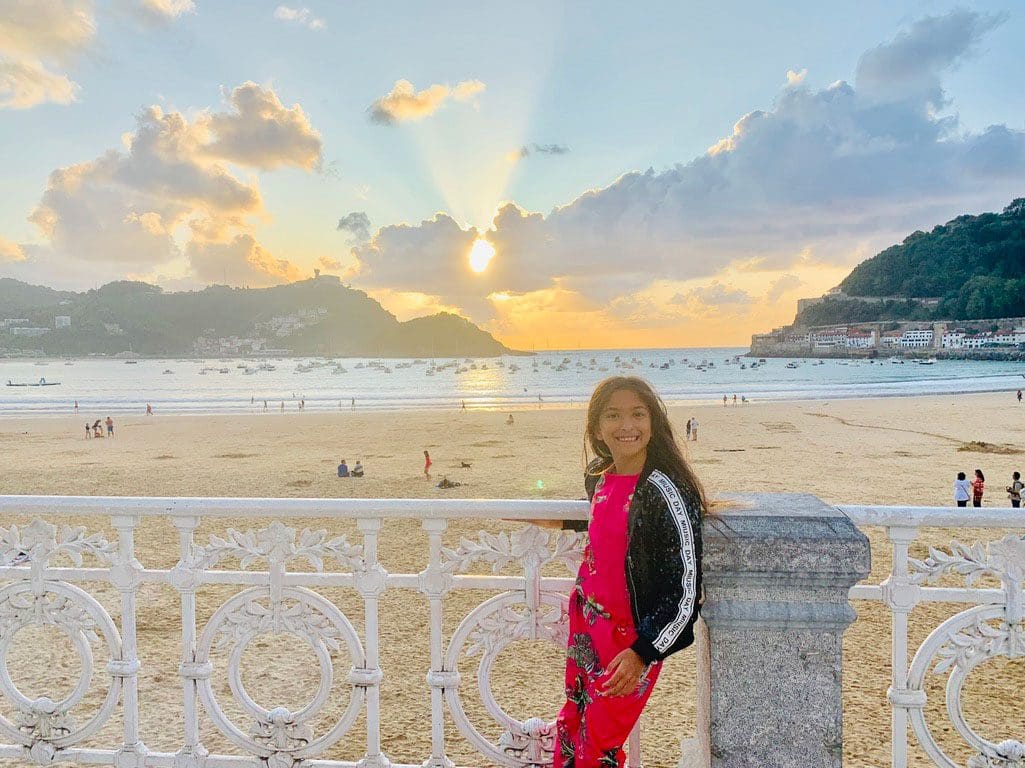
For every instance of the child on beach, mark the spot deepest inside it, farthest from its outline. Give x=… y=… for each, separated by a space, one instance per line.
x=427 y=465
x=637 y=593
x=962 y=490
x=978 y=484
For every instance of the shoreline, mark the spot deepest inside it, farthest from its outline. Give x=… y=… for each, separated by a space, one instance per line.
x=553 y=405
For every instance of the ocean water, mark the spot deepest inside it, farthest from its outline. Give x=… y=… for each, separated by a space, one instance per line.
x=495 y=383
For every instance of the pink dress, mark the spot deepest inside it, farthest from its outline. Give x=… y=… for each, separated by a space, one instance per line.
x=592 y=727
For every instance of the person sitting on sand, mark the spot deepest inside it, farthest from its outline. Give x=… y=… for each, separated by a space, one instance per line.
x=510 y=419
x=357 y=469
x=446 y=483
x=962 y=490
x=97 y=430
x=343 y=469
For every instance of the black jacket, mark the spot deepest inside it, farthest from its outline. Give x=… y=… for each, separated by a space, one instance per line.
x=663 y=562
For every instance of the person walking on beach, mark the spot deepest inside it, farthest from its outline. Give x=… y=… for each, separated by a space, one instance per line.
x=694 y=429
x=962 y=490
x=688 y=429
x=88 y=431
x=427 y=465
x=1019 y=400
x=110 y=427
x=724 y=401
x=637 y=592
x=354 y=405
x=734 y=399
x=282 y=406
x=978 y=485
x=149 y=409
x=1014 y=489
x=76 y=402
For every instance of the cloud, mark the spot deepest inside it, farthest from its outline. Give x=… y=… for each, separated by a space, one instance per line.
x=261 y=132
x=125 y=207
x=782 y=286
x=712 y=296
x=38 y=37
x=538 y=149
x=832 y=171
x=10 y=252
x=405 y=103
x=910 y=67
x=26 y=84
x=356 y=224
x=326 y=262
x=240 y=261
x=161 y=11
x=301 y=16
x=796 y=78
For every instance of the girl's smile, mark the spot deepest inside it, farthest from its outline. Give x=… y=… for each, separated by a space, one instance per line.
x=625 y=427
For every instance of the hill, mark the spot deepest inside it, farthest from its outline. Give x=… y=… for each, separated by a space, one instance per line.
x=310 y=317
x=969 y=268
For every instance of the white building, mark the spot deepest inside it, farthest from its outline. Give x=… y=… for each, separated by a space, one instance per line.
x=953 y=340
x=916 y=338
x=62 y=321
x=860 y=340
x=890 y=339
x=24 y=330
x=831 y=337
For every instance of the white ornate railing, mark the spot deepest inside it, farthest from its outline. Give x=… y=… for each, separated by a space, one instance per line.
x=992 y=628
x=42 y=591
x=42 y=565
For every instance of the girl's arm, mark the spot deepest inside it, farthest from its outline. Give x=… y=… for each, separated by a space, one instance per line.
x=667 y=619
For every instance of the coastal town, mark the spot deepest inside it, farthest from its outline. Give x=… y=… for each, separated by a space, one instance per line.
x=986 y=339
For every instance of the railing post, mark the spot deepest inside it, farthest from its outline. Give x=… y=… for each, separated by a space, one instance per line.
x=777 y=571
x=370 y=583
x=192 y=753
x=901 y=595
x=125 y=577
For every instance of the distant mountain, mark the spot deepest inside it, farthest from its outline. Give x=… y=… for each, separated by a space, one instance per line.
x=971 y=267
x=311 y=317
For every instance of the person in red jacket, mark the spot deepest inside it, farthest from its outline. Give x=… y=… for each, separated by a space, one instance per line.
x=978 y=485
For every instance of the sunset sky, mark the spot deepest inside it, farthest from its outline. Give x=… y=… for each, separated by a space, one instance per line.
x=643 y=174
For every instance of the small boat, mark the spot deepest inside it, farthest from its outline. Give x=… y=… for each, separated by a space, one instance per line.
x=223 y=370
x=167 y=371
x=131 y=362
x=40 y=383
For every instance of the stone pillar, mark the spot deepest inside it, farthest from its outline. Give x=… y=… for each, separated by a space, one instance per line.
x=777 y=569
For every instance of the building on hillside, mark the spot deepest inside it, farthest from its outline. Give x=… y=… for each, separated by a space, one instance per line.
x=25 y=330
x=829 y=337
x=113 y=329
x=860 y=340
x=62 y=321
x=9 y=322
x=890 y=338
x=916 y=338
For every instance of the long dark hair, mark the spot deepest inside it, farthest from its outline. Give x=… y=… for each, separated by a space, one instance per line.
x=664 y=452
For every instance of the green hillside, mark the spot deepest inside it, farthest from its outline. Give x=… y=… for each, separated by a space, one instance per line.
x=130 y=315
x=975 y=266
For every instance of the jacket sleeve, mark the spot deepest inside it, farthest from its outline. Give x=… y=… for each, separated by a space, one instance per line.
x=667 y=623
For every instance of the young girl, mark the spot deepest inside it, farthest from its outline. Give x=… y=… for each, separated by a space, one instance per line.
x=637 y=592
x=978 y=485
x=427 y=465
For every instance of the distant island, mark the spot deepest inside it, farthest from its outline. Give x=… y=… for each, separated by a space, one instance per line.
x=957 y=291
x=320 y=316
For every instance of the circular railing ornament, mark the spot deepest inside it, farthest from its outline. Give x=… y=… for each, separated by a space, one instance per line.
x=967 y=640
x=278 y=735
x=42 y=724
x=487 y=630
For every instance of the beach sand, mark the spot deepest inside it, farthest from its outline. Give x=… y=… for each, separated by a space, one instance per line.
x=883 y=451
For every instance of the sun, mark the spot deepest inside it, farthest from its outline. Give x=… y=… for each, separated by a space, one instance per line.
x=481 y=254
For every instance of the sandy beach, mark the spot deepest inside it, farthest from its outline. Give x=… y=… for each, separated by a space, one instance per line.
x=883 y=451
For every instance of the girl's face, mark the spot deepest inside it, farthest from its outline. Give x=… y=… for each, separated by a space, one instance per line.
x=624 y=425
